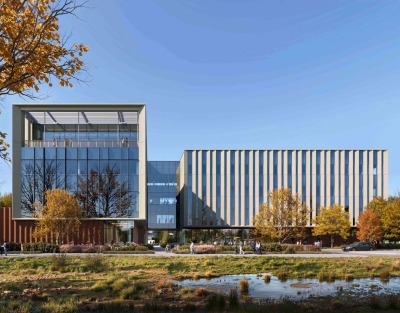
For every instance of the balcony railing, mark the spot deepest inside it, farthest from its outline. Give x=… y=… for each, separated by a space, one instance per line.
x=70 y=143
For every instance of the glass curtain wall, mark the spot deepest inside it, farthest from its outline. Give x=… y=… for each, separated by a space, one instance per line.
x=161 y=187
x=84 y=153
x=105 y=180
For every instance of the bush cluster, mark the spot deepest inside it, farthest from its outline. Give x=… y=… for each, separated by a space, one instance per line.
x=272 y=247
x=41 y=246
x=131 y=248
x=83 y=248
x=296 y=248
x=206 y=249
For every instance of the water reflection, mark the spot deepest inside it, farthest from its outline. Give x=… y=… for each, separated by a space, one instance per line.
x=297 y=288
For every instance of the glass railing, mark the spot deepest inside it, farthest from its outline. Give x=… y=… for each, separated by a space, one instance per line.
x=70 y=143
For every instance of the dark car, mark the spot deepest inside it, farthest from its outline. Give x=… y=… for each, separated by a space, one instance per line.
x=360 y=246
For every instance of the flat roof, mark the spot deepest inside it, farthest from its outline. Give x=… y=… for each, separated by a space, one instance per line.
x=123 y=113
x=82 y=117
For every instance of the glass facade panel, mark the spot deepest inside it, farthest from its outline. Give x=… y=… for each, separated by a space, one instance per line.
x=93 y=153
x=104 y=153
x=50 y=153
x=39 y=152
x=82 y=154
x=28 y=153
x=114 y=153
x=60 y=154
x=71 y=153
x=275 y=173
x=101 y=191
x=161 y=186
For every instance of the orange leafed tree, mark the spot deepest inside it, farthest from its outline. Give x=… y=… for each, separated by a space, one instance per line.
x=369 y=227
x=60 y=216
x=32 y=50
x=283 y=218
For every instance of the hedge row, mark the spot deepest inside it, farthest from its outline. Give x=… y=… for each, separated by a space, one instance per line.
x=129 y=252
x=133 y=248
x=84 y=248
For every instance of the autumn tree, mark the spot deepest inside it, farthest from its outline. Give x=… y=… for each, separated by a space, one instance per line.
x=369 y=227
x=391 y=220
x=33 y=52
x=6 y=200
x=377 y=205
x=332 y=221
x=4 y=154
x=284 y=217
x=60 y=216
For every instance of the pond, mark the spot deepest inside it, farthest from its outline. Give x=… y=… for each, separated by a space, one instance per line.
x=297 y=289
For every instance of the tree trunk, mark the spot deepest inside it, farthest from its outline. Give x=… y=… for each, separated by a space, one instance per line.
x=331 y=241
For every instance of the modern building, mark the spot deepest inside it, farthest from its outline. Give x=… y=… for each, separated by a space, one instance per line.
x=98 y=153
x=224 y=188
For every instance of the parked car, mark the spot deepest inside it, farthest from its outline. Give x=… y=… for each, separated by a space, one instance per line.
x=360 y=246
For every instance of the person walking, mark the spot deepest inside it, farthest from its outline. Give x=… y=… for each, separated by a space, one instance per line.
x=192 y=247
x=241 y=247
x=258 y=247
x=5 y=248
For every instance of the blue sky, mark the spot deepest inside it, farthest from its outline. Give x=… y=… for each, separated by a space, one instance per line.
x=248 y=74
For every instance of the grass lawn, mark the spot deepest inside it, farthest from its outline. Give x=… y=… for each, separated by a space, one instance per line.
x=145 y=284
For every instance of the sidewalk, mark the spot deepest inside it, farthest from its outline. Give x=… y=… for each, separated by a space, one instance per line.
x=160 y=252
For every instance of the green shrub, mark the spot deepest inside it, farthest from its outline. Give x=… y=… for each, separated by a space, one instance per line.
x=141 y=248
x=42 y=247
x=114 y=306
x=127 y=293
x=58 y=262
x=129 y=252
x=131 y=248
x=290 y=250
x=95 y=264
x=119 y=284
x=60 y=307
x=12 y=286
x=323 y=275
x=272 y=247
x=100 y=286
x=16 y=306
